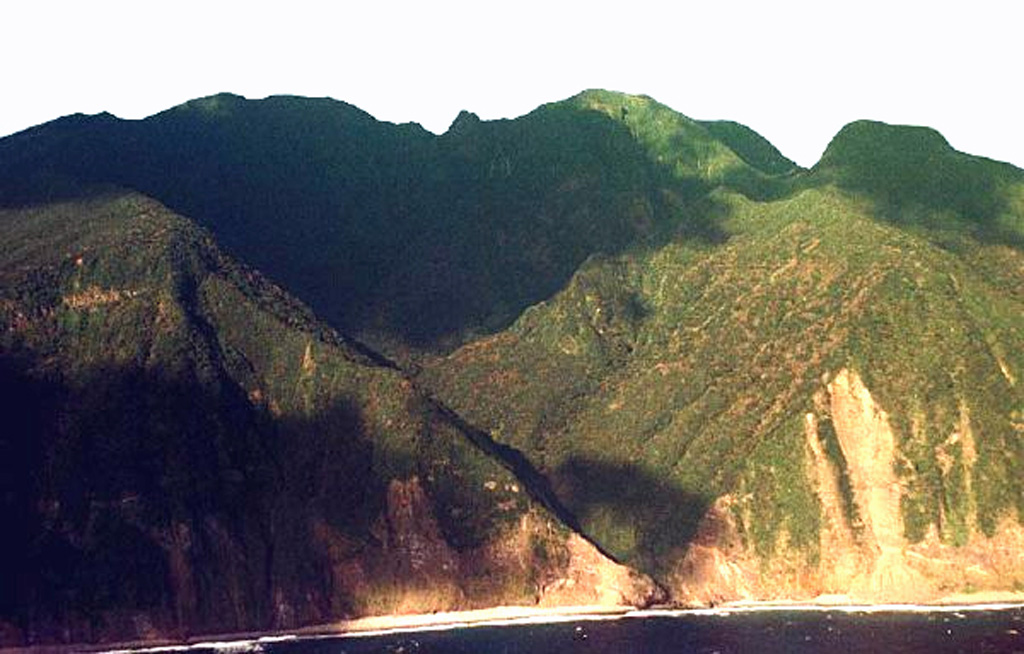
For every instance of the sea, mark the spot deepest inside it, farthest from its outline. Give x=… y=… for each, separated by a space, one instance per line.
x=973 y=630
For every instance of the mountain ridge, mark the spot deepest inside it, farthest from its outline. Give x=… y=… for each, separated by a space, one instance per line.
x=357 y=185
x=602 y=352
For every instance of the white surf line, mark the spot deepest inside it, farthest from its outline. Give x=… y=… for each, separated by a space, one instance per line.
x=729 y=609
x=723 y=611
x=443 y=624
x=432 y=622
x=253 y=644
x=246 y=645
x=554 y=618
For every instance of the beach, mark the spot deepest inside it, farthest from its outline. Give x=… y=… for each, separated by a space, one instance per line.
x=511 y=615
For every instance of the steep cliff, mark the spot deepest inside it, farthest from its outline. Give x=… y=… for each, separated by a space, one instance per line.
x=864 y=553
x=186 y=450
x=643 y=355
x=824 y=404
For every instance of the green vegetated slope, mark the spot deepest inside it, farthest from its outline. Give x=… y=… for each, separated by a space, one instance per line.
x=750 y=146
x=187 y=449
x=917 y=181
x=664 y=378
x=371 y=223
x=652 y=311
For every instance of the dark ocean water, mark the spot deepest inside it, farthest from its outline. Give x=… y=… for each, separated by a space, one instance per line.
x=762 y=632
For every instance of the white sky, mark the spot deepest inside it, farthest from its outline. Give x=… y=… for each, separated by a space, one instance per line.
x=794 y=71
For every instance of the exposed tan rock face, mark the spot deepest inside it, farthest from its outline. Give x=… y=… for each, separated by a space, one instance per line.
x=864 y=554
x=590 y=579
x=869 y=447
x=419 y=557
x=417 y=571
x=716 y=568
x=868 y=444
x=842 y=558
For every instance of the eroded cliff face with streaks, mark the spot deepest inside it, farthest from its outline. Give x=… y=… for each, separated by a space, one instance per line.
x=863 y=553
x=824 y=403
x=533 y=561
x=641 y=358
x=868 y=446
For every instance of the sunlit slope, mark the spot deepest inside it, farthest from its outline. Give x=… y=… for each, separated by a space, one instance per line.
x=750 y=146
x=661 y=380
x=916 y=180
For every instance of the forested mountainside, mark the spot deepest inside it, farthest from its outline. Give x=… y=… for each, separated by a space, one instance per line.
x=373 y=224
x=186 y=450
x=830 y=392
x=599 y=353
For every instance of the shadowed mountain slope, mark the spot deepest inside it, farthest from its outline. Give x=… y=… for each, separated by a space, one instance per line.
x=746 y=380
x=371 y=223
x=186 y=449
